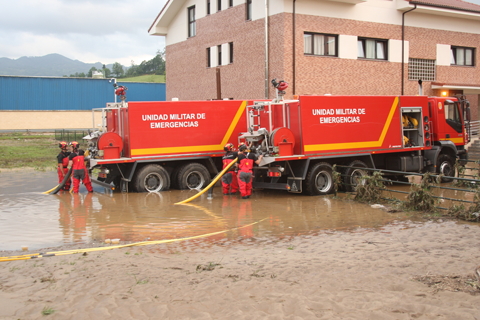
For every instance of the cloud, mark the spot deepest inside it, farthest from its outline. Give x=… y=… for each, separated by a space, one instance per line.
x=104 y=31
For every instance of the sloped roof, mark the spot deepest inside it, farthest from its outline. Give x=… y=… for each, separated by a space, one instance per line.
x=449 y=4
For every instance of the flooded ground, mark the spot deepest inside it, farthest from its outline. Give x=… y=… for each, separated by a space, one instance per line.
x=299 y=257
x=30 y=218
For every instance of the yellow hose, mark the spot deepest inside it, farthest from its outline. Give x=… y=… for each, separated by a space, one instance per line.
x=210 y=185
x=143 y=243
x=48 y=192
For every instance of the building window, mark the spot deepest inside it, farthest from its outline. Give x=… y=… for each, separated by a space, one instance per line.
x=230 y=45
x=219 y=55
x=208 y=58
x=219 y=5
x=320 y=44
x=249 y=9
x=191 y=21
x=230 y=3
x=462 y=56
x=208 y=6
x=421 y=69
x=372 y=48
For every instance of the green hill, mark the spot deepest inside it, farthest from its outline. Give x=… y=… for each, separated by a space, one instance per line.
x=51 y=65
x=144 y=78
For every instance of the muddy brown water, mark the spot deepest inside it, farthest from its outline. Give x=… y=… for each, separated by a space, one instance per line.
x=30 y=218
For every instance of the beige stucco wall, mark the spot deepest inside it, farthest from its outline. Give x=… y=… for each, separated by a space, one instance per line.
x=38 y=120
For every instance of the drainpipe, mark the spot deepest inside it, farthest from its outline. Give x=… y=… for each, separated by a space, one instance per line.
x=293 y=67
x=266 y=49
x=403 y=45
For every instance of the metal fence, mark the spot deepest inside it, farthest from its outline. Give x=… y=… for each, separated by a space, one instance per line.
x=70 y=135
x=460 y=187
x=474 y=128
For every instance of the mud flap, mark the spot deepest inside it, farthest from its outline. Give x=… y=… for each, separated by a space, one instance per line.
x=294 y=185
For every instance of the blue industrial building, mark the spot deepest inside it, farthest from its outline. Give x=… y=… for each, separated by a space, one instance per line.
x=71 y=94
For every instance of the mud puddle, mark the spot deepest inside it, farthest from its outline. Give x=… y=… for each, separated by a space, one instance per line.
x=30 y=218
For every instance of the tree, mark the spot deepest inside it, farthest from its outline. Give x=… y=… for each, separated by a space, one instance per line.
x=117 y=70
x=159 y=62
x=153 y=66
x=132 y=71
x=90 y=72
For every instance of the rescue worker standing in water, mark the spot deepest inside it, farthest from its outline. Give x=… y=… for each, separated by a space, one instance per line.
x=245 y=165
x=229 y=179
x=62 y=160
x=77 y=162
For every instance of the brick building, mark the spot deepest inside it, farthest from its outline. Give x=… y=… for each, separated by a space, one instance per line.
x=340 y=47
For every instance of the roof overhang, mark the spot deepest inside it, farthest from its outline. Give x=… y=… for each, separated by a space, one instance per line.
x=403 y=6
x=165 y=17
x=466 y=89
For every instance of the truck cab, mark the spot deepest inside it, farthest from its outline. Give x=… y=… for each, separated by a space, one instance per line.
x=450 y=130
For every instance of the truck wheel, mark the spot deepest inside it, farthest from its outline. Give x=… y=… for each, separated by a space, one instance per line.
x=353 y=176
x=319 y=180
x=151 y=178
x=445 y=166
x=193 y=176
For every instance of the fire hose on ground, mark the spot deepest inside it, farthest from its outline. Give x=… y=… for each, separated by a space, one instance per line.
x=211 y=183
x=62 y=184
x=143 y=243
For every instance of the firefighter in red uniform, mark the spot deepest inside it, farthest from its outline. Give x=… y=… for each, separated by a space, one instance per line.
x=229 y=178
x=245 y=164
x=62 y=160
x=77 y=162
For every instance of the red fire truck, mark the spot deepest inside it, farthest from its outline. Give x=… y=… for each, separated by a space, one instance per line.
x=153 y=146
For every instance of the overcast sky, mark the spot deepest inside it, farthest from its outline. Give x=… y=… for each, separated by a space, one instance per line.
x=105 y=31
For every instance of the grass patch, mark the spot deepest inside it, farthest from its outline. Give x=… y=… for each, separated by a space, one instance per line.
x=144 y=78
x=47 y=311
x=371 y=191
x=19 y=150
x=421 y=197
x=208 y=267
x=48 y=279
x=145 y=281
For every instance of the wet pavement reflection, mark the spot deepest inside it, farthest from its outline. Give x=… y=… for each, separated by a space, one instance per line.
x=30 y=218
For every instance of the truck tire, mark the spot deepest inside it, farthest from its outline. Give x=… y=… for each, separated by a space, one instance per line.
x=446 y=166
x=193 y=176
x=174 y=177
x=353 y=176
x=151 y=178
x=319 y=180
